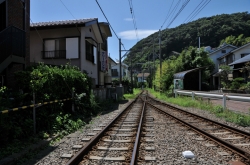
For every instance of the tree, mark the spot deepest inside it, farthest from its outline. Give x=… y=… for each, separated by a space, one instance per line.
x=188 y=59
x=225 y=70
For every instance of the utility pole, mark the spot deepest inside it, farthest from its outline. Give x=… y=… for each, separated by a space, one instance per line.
x=160 y=56
x=131 y=74
x=120 y=62
x=154 y=60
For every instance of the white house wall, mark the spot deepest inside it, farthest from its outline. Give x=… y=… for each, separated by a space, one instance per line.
x=36 y=45
x=86 y=65
x=237 y=54
x=218 y=54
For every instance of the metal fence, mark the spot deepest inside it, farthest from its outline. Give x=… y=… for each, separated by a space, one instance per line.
x=222 y=96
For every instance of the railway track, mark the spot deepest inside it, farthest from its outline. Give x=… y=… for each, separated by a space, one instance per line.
x=148 y=130
x=234 y=140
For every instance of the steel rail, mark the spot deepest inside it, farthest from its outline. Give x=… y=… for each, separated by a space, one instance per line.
x=235 y=130
x=138 y=137
x=78 y=157
x=219 y=141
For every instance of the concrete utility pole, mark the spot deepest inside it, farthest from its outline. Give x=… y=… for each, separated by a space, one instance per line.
x=120 y=62
x=160 y=55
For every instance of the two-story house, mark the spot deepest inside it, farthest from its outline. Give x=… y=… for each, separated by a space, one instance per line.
x=236 y=59
x=142 y=77
x=214 y=55
x=82 y=43
x=116 y=71
x=14 y=39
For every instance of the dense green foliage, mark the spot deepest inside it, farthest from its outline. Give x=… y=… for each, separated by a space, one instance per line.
x=49 y=84
x=236 y=41
x=211 y=30
x=188 y=59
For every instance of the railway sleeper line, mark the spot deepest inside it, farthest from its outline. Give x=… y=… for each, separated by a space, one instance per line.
x=134 y=136
x=223 y=141
x=118 y=137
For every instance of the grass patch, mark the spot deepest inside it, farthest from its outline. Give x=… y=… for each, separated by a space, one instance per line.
x=230 y=116
x=132 y=96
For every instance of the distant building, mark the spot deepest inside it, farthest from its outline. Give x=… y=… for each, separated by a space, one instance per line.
x=142 y=77
x=214 y=55
x=236 y=59
x=116 y=71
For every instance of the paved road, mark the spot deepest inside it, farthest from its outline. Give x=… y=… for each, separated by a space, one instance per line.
x=243 y=107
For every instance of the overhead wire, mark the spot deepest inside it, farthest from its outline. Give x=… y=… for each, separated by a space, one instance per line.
x=193 y=11
x=173 y=11
x=200 y=9
x=180 y=10
x=197 y=10
x=109 y=22
x=133 y=18
x=167 y=14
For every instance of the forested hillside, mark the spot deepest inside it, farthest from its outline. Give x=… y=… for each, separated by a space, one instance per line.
x=210 y=29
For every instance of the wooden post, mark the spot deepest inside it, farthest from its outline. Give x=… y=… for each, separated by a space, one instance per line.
x=73 y=105
x=34 y=112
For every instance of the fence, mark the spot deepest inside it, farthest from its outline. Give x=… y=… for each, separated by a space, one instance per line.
x=34 y=106
x=224 y=97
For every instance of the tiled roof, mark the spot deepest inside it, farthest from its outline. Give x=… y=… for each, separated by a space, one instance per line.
x=222 y=47
x=232 y=51
x=241 y=60
x=64 y=22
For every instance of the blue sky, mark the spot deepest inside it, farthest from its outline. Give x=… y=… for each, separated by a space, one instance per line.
x=149 y=15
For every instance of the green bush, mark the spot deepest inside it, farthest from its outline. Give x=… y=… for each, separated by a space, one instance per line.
x=237 y=83
x=49 y=83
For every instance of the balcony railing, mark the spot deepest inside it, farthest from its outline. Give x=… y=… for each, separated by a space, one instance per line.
x=12 y=42
x=56 y=54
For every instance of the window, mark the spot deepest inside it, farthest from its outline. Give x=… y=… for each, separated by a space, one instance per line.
x=244 y=54
x=2 y=15
x=230 y=59
x=223 y=51
x=55 y=48
x=63 y=48
x=114 y=72
x=90 y=52
x=72 y=49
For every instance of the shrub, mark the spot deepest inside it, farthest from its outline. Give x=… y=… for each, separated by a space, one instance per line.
x=236 y=83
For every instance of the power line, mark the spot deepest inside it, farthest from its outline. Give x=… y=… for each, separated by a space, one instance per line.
x=167 y=14
x=173 y=11
x=193 y=11
x=106 y=18
x=108 y=22
x=198 y=10
x=71 y=14
x=133 y=17
x=180 y=10
x=67 y=8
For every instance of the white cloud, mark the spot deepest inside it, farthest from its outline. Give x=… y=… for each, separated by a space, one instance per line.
x=128 y=19
x=131 y=34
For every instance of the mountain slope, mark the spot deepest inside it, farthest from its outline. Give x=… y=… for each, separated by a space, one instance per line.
x=210 y=29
